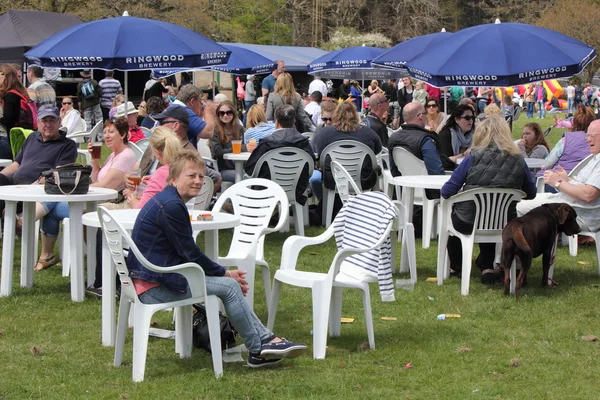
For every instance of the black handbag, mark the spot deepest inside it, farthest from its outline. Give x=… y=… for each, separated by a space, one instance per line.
x=200 y=335
x=68 y=179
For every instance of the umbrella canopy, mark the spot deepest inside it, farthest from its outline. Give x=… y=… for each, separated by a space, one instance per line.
x=242 y=61
x=22 y=30
x=396 y=57
x=498 y=54
x=351 y=63
x=127 y=44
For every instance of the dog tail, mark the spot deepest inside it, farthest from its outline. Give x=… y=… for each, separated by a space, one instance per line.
x=519 y=238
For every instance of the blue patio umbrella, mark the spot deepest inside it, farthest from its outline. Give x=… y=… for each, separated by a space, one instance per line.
x=242 y=61
x=351 y=63
x=396 y=57
x=127 y=44
x=502 y=55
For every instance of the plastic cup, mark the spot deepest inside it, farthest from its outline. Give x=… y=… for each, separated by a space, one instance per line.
x=139 y=190
x=236 y=146
x=252 y=142
x=96 y=150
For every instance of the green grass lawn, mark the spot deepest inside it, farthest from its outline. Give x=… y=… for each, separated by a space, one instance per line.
x=501 y=348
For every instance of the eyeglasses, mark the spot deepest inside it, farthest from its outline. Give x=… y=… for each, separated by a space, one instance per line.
x=589 y=136
x=467 y=117
x=433 y=105
x=168 y=121
x=326 y=119
x=383 y=101
x=421 y=113
x=66 y=103
x=223 y=113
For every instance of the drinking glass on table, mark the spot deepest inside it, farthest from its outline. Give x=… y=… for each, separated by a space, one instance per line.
x=236 y=146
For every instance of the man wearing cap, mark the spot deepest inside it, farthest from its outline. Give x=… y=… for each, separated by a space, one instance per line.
x=201 y=118
x=44 y=149
x=39 y=90
x=131 y=113
x=89 y=94
x=110 y=89
x=177 y=119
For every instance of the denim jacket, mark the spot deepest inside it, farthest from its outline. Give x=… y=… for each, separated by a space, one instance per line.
x=163 y=234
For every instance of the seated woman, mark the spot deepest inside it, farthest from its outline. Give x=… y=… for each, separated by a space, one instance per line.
x=155 y=105
x=257 y=126
x=111 y=175
x=492 y=150
x=227 y=128
x=533 y=143
x=163 y=234
x=456 y=136
x=346 y=126
x=436 y=119
x=69 y=117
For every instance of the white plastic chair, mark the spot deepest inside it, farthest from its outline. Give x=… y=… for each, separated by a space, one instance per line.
x=79 y=127
x=116 y=237
x=409 y=165
x=146 y=131
x=351 y=155
x=82 y=136
x=143 y=144
x=517 y=114
x=255 y=208
x=202 y=201
x=308 y=135
x=204 y=150
x=136 y=150
x=383 y=161
x=491 y=215
x=326 y=287
x=596 y=235
x=343 y=181
x=285 y=167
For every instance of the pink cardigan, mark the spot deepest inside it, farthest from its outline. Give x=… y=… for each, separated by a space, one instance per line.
x=156 y=184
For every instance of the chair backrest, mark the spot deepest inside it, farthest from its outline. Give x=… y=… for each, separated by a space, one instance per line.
x=254 y=201
x=202 y=201
x=383 y=159
x=308 y=135
x=350 y=154
x=99 y=127
x=343 y=181
x=580 y=166
x=491 y=207
x=285 y=168
x=407 y=163
x=80 y=126
x=146 y=131
x=17 y=139
x=204 y=148
x=136 y=150
x=143 y=144
x=547 y=131
x=118 y=238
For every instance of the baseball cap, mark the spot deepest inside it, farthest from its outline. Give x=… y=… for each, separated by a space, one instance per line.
x=176 y=112
x=48 y=111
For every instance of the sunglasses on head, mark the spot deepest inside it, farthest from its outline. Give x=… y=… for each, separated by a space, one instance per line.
x=223 y=113
x=432 y=105
x=467 y=117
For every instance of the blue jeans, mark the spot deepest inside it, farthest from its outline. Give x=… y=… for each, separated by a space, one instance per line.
x=541 y=109
x=481 y=104
x=316 y=184
x=530 y=109
x=570 y=104
x=252 y=331
x=228 y=175
x=56 y=213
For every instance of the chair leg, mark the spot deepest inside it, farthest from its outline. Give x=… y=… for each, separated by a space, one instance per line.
x=124 y=308
x=368 y=314
x=427 y=223
x=573 y=245
x=321 y=298
x=335 y=312
x=250 y=269
x=299 y=219
x=393 y=243
x=214 y=333
x=141 y=331
x=183 y=331
x=274 y=303
x=330 y=194
x=441 y=258
x=266 y=275
x=408 y=246
x=467 y=251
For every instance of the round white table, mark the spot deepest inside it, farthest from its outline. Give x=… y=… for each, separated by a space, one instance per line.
x=410 y=183
x=127 y=220
x=238 y=161
x=4 y=162
x=29 y=195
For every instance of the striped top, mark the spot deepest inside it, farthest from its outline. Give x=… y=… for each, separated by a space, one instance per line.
x=259 y=131
x=360 y=224
x=110 y=89
x=42 y=93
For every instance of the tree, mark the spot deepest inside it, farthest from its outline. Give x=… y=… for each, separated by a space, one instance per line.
x=577 y=19
x=349 y=37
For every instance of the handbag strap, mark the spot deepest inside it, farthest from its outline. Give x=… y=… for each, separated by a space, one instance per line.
x=57 y=180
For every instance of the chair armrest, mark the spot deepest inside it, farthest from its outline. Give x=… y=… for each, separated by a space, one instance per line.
x=192 y=272
x=294 y=244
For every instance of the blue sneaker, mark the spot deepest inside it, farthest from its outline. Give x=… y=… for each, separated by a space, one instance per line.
x=256 y=361
x=283 y=349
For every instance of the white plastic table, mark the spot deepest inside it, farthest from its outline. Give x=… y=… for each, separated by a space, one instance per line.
x=4 y=162
x=238 y=160
x=410 y=183
x=29 y=195
x=127 y=219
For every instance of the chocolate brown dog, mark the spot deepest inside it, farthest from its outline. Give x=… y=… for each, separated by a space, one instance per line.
x=532 y=235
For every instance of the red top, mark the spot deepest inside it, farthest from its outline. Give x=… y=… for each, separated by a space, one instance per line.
x=136 y=134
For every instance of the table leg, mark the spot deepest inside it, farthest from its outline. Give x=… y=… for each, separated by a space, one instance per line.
x=8 y=248
x=27 y=245
x=109 y=303
x=211 y=244
x=239 y=170
x=76 y=242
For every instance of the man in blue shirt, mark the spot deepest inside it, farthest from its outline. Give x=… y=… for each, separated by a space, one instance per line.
x=419 y=141
x=268 y=84
x=201 y=117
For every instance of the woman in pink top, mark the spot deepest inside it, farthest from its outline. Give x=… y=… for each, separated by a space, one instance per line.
x=164 y=144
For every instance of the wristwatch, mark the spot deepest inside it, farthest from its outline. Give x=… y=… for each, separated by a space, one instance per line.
x=557 y=184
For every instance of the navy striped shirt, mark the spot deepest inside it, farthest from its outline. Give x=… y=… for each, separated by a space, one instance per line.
x=110 y=89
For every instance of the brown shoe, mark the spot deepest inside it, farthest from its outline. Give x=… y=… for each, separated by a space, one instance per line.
x=47 y=263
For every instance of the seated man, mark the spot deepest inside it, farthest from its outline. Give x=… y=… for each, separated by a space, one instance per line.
x=419 y=141
x=314 y=107
x=131 y=113
x=202 y=117
x=284 y=135
x=583 y=189
x=43 y=150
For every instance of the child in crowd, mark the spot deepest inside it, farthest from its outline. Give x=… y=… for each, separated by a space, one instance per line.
x=420 y=94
